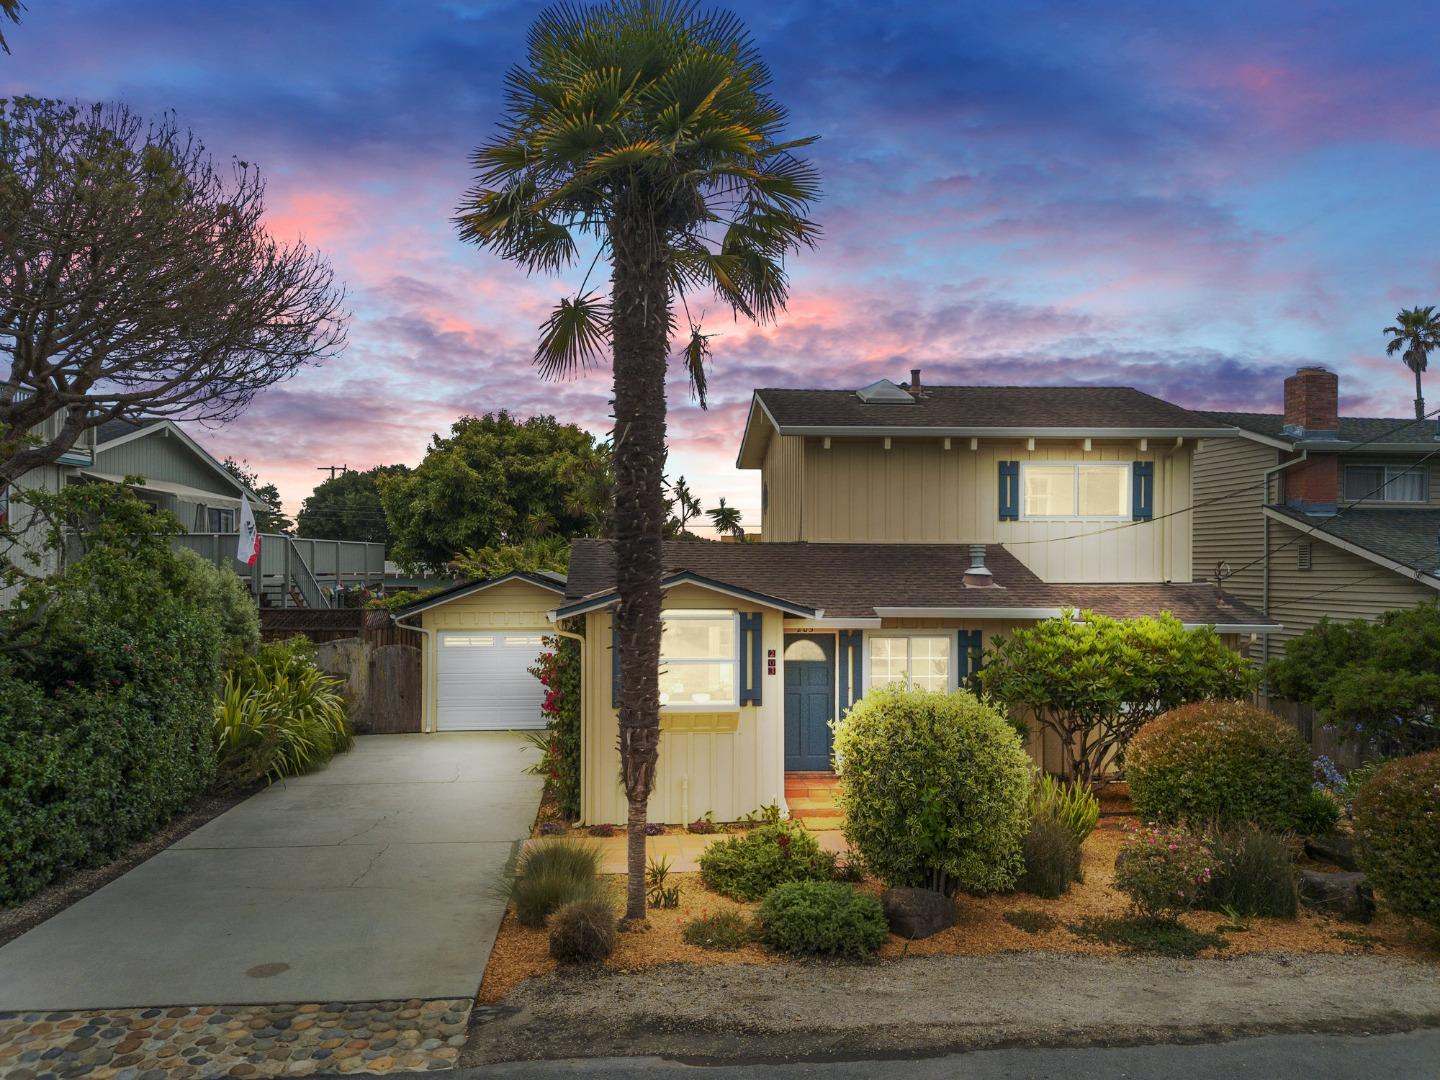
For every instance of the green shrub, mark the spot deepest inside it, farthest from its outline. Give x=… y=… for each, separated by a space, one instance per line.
x=1254 y=873
x=550 y=875
x=1397 y=833
x=747 y=866
x=277 y=715
x=936 y=792
x=1052 y=859
x=724 y=931
x=1160 y=937
x=1220 y=762
x=1068 y=802
x=1320 y=814
x=558 y=669
x=822 y=918
x=1164 y=872
x=583 y=931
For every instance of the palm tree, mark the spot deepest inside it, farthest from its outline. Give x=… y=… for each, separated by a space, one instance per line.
x=646 y=129
x=1417 y=332
x=726 y=519
x=9 y=9
x=687 y=506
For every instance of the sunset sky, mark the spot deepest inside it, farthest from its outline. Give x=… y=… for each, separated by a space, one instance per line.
x=1189 y=199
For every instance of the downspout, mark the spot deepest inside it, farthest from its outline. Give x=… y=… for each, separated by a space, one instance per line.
x=1267 y=474
x=431 y=662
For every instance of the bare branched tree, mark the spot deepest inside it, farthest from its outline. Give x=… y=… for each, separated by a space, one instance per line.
x=137 y=279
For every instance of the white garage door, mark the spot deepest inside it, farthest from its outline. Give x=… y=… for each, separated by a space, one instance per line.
x=484 y=684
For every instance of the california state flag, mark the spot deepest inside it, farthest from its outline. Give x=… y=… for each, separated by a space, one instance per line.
x=247 y=546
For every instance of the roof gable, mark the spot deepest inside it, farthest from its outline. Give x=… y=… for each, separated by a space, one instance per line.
x=554 y=583
x=162 y=450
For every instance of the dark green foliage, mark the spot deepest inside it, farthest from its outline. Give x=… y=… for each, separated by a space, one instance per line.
x=583 y=931
x=1254 y=873
x=1159 y=937
x=558 y=670
x=552 y=874
x=348 y=507
x=495 y=480
x=1220 y=762
x=1069 y=802
x=724 y=931
x=822 y=918
x=1377 y=683
x=1052 y=859
x=106 y=680
x=269 y=517
x=1397 y=834
x=747 y=866
x=1320 y=814
x=1031 y=920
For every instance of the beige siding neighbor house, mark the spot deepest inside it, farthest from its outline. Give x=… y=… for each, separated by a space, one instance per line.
x=904 y=527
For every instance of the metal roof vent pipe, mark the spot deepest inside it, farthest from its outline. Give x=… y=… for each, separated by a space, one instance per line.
x=978 y=575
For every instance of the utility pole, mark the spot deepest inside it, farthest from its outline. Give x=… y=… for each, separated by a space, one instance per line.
x=333 y=469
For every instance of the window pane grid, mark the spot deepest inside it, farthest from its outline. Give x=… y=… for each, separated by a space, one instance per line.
x=918 y=662
x=698 y=662
x=1076 y=491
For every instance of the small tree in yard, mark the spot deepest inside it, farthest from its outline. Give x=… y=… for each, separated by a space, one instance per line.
x=1096 y=681
x=137 y=279
x=645 y=128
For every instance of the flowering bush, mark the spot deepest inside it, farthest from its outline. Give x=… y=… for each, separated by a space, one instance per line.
x=1165 y=872
x=558 y=669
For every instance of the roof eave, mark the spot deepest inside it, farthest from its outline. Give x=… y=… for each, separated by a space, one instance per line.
x=1318 y=531
x=1017 y=432
x=751 y=454
x=611 y=597
x=543 y=581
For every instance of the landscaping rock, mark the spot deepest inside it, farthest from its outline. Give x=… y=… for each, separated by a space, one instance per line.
x=1346 y=895
x=1337 y=849
x=917 y=913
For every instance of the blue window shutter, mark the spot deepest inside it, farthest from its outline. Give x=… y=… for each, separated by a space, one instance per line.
x=970 y=644
x=849 y=663
x=752 y=664
x=614 y=664
x=1009 y=490
x=1142 y=479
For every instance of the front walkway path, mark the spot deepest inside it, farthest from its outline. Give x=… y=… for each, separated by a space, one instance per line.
x=374 y=880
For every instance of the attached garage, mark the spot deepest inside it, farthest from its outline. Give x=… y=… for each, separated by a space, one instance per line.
x=481 y=638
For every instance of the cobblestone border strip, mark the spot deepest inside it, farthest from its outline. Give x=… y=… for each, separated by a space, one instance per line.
x=193 y=1043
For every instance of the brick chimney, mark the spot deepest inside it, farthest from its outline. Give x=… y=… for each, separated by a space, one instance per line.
x=1312 y=404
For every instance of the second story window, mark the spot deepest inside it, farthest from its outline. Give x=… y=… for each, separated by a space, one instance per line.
x=1075 y=491
x=1402 y=483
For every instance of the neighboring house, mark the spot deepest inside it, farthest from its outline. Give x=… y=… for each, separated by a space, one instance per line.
x=903 y=528
x=1311 y=514
x=16 y=515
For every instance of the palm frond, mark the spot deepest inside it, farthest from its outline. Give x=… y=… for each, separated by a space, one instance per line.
x=577 y=331
x=696 y=354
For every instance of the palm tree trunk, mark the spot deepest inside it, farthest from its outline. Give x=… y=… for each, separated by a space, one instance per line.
x=640 y=328
x=1419 y=399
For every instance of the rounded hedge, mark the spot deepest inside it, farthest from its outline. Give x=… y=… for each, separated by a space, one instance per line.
x=936 y=790
x=822 y=918
x=1397 y=833
x=746 y=867
x=1220 y=762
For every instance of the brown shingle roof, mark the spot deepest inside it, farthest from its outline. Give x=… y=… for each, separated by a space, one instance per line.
x=1090 y=407
x=854 y=580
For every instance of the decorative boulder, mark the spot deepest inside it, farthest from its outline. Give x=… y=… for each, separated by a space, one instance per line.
x=917 y=913
x=1337 y=849
x=1346 y=895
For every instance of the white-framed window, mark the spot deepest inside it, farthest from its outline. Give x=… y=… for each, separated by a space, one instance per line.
x=1387 y=482
x=1075 y=490
x=699 y=659
x=917 y=661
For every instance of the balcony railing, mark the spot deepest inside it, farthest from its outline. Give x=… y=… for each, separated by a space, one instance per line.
x=294 y=572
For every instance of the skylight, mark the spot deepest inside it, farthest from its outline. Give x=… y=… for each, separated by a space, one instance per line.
x=884 y=392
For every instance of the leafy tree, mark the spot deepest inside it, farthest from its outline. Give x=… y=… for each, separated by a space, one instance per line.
x=539 y=553
x=1377 y=683
x=1417 y=333
x=726 y=519
x=647 y=128
x=496 y=481
x=348 y=507
x=137 y=279
x=1096 y=681
x=269 y=517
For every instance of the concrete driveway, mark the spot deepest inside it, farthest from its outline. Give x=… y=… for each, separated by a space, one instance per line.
x=375 y=878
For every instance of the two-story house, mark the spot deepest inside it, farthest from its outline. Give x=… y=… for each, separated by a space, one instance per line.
x=903 y=527
x=1312 y=514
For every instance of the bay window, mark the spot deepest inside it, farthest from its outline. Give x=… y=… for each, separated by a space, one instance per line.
x=1088 y=490
x=699 y=656
x=915 y=661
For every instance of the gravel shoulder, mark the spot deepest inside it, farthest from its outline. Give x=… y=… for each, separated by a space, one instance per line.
x=931 y=1005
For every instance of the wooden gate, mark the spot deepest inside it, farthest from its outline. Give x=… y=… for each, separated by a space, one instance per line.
x=392 y=684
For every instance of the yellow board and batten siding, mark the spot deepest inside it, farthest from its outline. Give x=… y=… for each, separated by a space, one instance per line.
x=731 y=766
x=511 y=605
x=919 y=492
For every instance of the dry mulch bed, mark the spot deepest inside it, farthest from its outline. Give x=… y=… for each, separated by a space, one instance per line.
x=981 y=929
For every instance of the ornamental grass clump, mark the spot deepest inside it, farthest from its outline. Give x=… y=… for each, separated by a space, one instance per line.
x=822 y=918
x=583 y=931
x=936 y=790
x=1067 y=802
x=550 y=875
x=1052 y=859
x=1397 y=834
x=1165 y=872
x=1220 y=762
x=747 y=866
x=1254 y=873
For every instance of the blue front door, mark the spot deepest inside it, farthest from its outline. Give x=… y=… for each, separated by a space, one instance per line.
x=809 y=701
